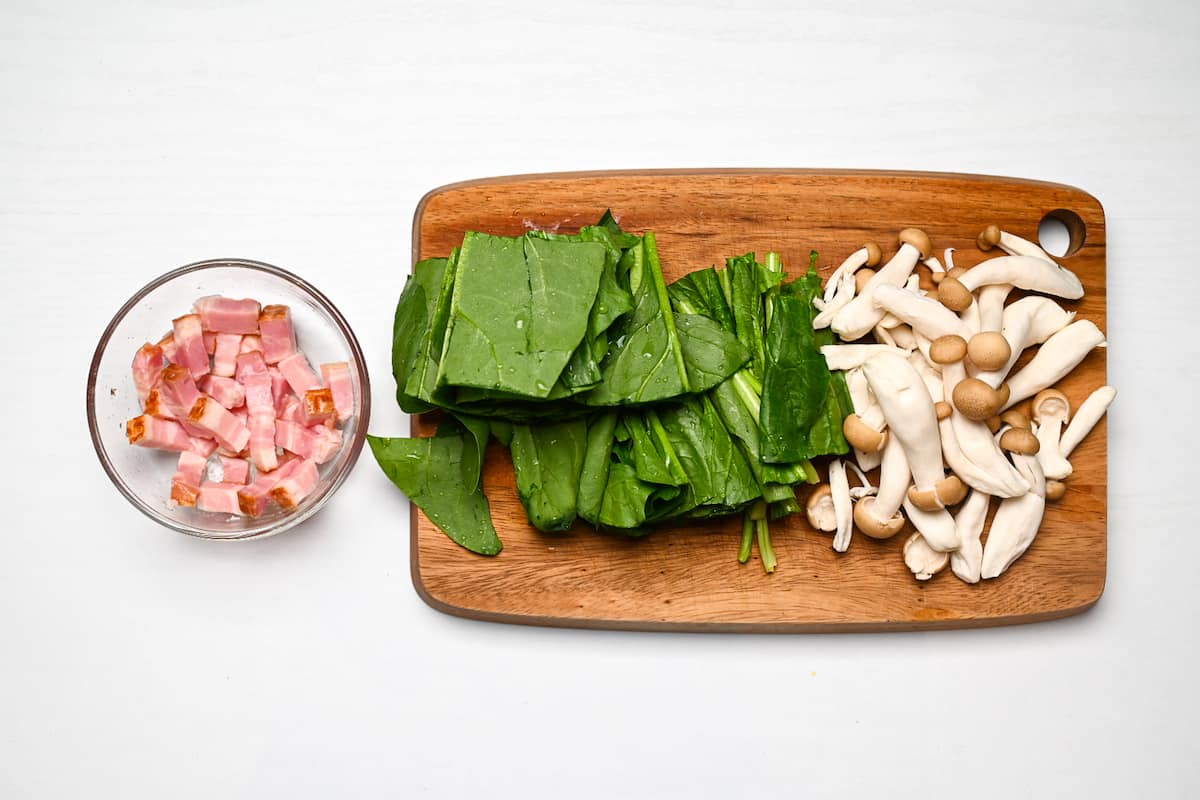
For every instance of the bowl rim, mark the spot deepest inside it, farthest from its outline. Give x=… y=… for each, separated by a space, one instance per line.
x=356 y=443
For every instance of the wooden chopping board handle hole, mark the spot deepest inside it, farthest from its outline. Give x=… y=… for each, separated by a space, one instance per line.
x=1061 y=233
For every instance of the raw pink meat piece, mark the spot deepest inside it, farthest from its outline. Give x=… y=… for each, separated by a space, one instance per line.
x=185 y=484
x=167 y=343
x=252 y=499
x=291 y=410
x=297 y=485
x=148 y=363
x=337 y=378
x=299 y=374
x=160 y=434
x=209 y=415
x=225 y=355
x=326 y=444
x=210 y=342
x=204 y=447
x=235 y=470
x=225 y=391
x=251 y=344
x=154 y=405
x=225 y=315
x=189 y=344
x=317 y=407
x=221 y=497
x=250 y=364
x=277 y=334
x=279 y=388
x=295 y=438
x=179 y=393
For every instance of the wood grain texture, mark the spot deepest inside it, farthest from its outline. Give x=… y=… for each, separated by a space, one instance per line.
x=687 y=577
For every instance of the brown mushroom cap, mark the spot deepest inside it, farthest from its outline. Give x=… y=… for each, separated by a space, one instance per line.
x=1055 y=490
x=994 y=423
x=874 y=254
x=1019 y=440
x=1015 y=419
x=953 y=295
x=1003 y=392
x=875 y=528
x=862 y=436
x=951 y=490
x=988 y=238
x=957 y=272
x=948 y=349
x=975 y=400
x=918 y=239
x=989 y=350
x=861 y=277
x=924 y=499
x=822 y=495
x=1050 y=401
x=942 y=409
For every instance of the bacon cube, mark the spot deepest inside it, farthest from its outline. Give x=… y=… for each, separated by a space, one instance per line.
x=297 y=485
x=159 y=434
x=278 y=335
x=220 y=497
x=235 y=470
x=225 y=391
x=326 y=442
x=210 y=342
x=185 y=484
x=317 y=407
x=337 y=378
x=204 y=447
x=154 y=405
x=295 y=438
x=148 y=363
x=225 y=315
x=225 y=353
x=209 y=415
x=291 y=411
x=252 y=499
x=299 y=374
x=178 y=392
x=167 y=343
x=279 y=388
x=250 y=344
x=189 y=344
x=262 y=441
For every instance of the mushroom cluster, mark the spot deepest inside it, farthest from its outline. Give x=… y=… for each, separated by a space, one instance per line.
x=937 y=406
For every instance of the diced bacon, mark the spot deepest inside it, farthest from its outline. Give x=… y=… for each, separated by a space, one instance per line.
x=317 y=407
x=225 y=354
x=262 y=442
x=326 y=444
x=297 y=485
x=279 y=388
x=242 y=414
x=167 y=343
x=148 y=364
x=154 y=405
x=204 y=447
x=252 y=499
x=251 y=344
x=189 y=345
x=221 y=497
x=235 y=470
x=337 y=378
x=179 y=393
x=160 y=434
x=299 y=374
x=225 y=391
x=295 y=438
x=278 y=335
x=249 y=364
x=291 y=410
x=225 y=315
x=210 y=342
x=211 y=416
x=185 y=484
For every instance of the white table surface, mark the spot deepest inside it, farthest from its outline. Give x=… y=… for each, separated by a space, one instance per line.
x=135 y=137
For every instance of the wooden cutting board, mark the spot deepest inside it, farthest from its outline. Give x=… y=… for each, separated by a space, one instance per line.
x=687 y=578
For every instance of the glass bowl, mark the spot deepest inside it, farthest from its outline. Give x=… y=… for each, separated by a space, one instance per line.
x=144 y=475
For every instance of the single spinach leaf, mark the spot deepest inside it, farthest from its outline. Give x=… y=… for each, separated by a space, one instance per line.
x=594 y=474
x=547 y=460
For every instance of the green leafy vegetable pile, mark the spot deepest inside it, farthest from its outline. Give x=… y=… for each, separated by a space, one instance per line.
x=622 y=400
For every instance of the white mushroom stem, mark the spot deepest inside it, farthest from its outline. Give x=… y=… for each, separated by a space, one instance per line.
x=931 y=377
x=843 y=293
x=933 y=264
x=903 y=336
x=852 y=264
x=971 y=318
x=843 y=506
x=967 y=561
x=920 y=558
x=1086 y=416
x=882 y=335
x=1061 y=353
x=909 y=413
x=866 y=408
x=1051 y=416
x=866 y=489
x=974 y=476
x=1016 y=246
x=978 y=446
x=1029 y=321
x=927 y=316
x=948 y=258
x=861 y=314
x=1024 y=272
x=991 y=305
x=936 y=527
x=923 y=345
x=852 y=356
x=893 y=480
x=1016 y=522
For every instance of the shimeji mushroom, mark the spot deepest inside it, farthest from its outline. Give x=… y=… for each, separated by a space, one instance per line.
x=991 y=305
x=967 y=561
x=1051 y=409
x=989 y=350
x=866 y=256
x=978 y=446
x=819 y=508
x=911 y=420
x=1024 y=272
x=1016 y=522
x=843 y=294
x=843 y=506
x=865 y=406
x=928 y=317
x=879 y=516
x=861 y=314
x=1014 y=245
x=1029 y=321
x=1061 y=353
x=919 y=557
x=1086 y=416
